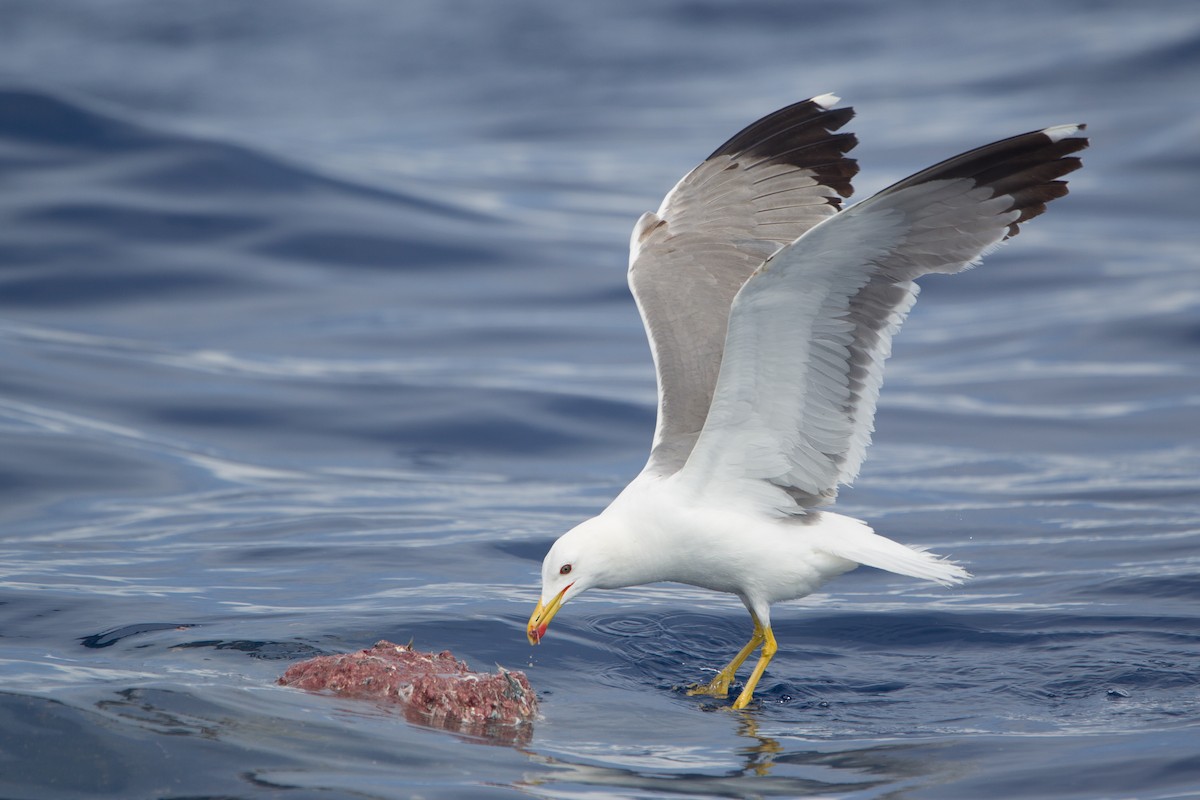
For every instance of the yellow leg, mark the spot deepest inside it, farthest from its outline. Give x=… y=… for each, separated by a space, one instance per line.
x=719 y=685
x=768 y=650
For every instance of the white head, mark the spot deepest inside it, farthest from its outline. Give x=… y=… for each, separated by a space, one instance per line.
x=597 y=554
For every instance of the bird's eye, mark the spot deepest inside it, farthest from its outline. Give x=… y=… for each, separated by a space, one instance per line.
x=565 y=569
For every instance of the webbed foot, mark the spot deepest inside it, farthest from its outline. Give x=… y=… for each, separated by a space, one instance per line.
x=718 y=687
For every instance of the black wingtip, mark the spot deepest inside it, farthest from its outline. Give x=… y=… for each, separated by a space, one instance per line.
x=1028 y=168
x=776 y=130
x=1034 y=178
x=801 y=135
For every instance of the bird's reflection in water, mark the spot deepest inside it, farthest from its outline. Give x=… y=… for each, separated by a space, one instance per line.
x=766 y=769
x=760 y=756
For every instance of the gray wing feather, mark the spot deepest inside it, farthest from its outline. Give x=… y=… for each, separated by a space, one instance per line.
x=794 y=406
x=756 y=193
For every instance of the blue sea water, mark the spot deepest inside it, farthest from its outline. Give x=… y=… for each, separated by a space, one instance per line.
x=314 y=332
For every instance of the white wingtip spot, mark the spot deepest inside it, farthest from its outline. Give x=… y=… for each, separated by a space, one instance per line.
x=827 y=101
x=1060 y=132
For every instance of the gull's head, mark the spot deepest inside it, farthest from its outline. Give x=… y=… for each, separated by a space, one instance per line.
x=585 y=557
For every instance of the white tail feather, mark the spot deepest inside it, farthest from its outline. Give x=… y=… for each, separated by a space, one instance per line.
x=859 y=543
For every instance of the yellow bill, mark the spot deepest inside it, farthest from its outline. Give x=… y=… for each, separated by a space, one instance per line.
x=540 y=619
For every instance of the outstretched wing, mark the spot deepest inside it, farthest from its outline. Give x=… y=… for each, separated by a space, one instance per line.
x=759 y=191
x=794 y=405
